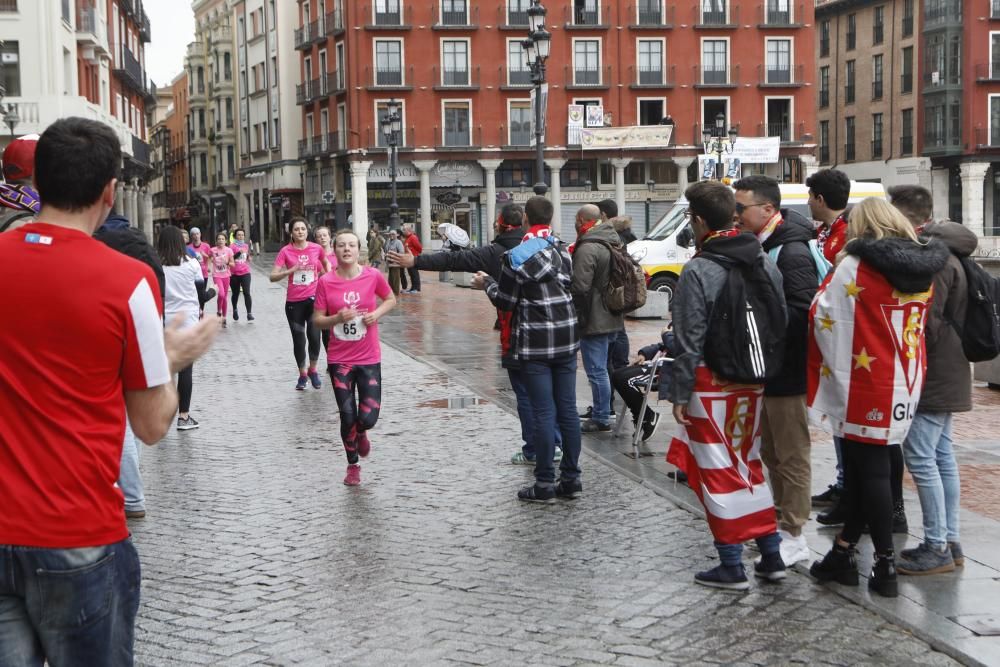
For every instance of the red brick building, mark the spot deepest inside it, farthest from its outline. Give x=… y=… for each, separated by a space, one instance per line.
x=458 y=70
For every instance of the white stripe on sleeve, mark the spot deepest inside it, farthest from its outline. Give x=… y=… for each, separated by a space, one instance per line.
x=149 y=335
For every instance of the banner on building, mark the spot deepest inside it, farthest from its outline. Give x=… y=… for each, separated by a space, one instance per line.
x=595 y=116
x=643 y=136
x=750 y=150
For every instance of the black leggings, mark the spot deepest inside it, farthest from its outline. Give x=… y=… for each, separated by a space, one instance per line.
x=185 y=384
x=238 y=283
x=868 y=493
x=357 y=414
x=299 y=316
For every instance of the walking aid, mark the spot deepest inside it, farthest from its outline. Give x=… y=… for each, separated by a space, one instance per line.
x=655 y=362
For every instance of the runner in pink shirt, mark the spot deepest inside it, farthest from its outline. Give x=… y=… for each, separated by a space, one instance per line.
x=323 y=238
x=203 y=250
x=302 y=263
x=221 y=261
x=347 y=304
x=240 y=280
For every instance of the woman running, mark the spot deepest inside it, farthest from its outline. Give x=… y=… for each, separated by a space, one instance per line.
x=222 y=261
x=240 y=280
x=322 y=236
x=346 y=301
x=302 y=263
x=183 y=287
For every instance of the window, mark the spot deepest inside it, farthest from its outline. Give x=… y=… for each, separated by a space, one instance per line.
x=341 y=126
x=994 y=55
x=276 y=135
x=586 y=12
x=387 y=12
x=779 y=61
x=906 y=82
x=455 y=63
x=779 y=12
x=878 y=25
x=274 y=71
x=650 y=12
x=518 y=73
x=651 y=112
x=381 y=109
x=227 y=66
x=908 y=18
x=65 y=11
x=389 y=63
x=877 y=77
x=229 y=113
x=994 y=138
x=849 y=82
x=852 y=31
x=876 y=135
x=203 y=167
x=586 y=62
x=10 y=68
x=454 y=12
x=824 y=142
x=517 y=12
x=201 y=80
x=340 y=65
x=456 y=124
x=779 y=118
x=715 y=61
x=849 y=141
x=824 y=87
x=824 y=39
x=711 y=108
x=231 y=160
x=519 y=116
x=713 y=12
x=201 y=123
x=650 y=62
x=8 y=5
x=906 y=134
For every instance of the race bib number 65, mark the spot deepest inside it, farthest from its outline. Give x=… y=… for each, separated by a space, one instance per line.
x=351 y=331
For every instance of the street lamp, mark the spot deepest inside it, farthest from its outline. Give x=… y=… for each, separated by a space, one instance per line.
x=537 y=48
x=712 y=138
x=392 y=126
x=11 y=119
x=650 y=184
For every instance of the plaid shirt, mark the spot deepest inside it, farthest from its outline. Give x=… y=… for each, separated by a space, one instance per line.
x=534 y=285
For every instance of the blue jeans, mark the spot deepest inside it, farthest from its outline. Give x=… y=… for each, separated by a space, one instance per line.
x=129 y=479
x=526 y=414
x=595 y=364
x=731 y=555
x=930 y=458
x=71 y=607
x=551 y=386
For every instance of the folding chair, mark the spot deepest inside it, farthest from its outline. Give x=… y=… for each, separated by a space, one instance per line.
x=655 y=362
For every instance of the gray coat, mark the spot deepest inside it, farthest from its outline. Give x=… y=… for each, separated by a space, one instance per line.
x=591 y=274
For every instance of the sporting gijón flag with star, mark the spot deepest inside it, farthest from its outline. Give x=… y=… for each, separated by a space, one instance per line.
x=720 y=452
x=866 y=355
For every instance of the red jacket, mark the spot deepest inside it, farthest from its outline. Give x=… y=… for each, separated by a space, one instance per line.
x=832 y=239
x=412 y=244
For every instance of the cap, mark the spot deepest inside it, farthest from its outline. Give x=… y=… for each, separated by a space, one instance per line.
x=194 y=230
x=19 y=158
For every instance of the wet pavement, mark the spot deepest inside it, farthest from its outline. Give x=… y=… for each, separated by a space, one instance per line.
x=254 y=552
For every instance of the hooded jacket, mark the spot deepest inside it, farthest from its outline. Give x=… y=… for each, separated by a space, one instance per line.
x=534 y=286
x=118 y=234
x=591 y=275
x=699 y=286
x=867 y=354
x=948 y=387
x=799 y=280
x=623 y=225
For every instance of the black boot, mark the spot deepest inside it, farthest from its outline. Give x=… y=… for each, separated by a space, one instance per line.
x=883 y=578
x=899 y=525
x=834 y=516
x=839 y=564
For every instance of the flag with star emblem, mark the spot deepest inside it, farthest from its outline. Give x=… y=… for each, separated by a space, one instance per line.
x=720 y=453
x=866 y=355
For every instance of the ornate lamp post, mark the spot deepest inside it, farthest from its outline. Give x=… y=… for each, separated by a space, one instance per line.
x=392 y=126
x=713 y=136
x=537 y=47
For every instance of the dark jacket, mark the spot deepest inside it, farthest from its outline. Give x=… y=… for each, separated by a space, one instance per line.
x=623 y=225
x=800 y=281
x=118 y=234
x=485 y=258
x=948 y=383
x=591 y=275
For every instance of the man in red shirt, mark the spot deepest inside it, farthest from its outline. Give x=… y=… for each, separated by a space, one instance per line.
x=412 y=244
x=74 y=360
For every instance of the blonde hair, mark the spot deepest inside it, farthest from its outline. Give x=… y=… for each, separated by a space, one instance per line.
x=875 y=219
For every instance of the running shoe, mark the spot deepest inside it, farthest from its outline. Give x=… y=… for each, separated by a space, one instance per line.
x=314 y=378
x=732 y=578
x=250 y=317
x=650 y=424
x=301 y=384
x=186 y=423
x=353 y=477
x=364 y=446
x=225 y=324
x=770 y=568
x=236 y=315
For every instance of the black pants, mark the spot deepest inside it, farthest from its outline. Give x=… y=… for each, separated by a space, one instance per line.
x=617 y=358
x=414 y=278
x=867 y=493
x=630 y=382
x=299 y=316
x=358 y=390
x=185 y=385
x=238 y=284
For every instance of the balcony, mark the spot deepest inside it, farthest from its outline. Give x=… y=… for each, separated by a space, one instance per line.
x=316 y=89
x=510 y=77
x=308 y=34
x=650 y=15
x=470 y=137
x=140 y=151
x=374 y=139
x=335 y=142
x=653 y=77
x=876 y=148
x=145 y=30
x=780 y=78
x=334 y=23
x=849 y=151
x=388 y=79
x=396 y=18
x=314 y=147
x=877 y=90
x=775 y=17
x=91 y=33
x=985 y=142
x=458 y=16
x=130 y=72
x=588 y=16
x=586 y=78
x=906 y=145
x=716 y=19
x=988 y=72
x=448 y=79
x=941 y=13
x=512 y=19
x=712 y=77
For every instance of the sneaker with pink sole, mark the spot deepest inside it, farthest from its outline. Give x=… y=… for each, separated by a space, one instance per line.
x=353 y=477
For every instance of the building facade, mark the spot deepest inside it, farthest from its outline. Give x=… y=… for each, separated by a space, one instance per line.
x=171 y=193
x=212 y=139
x=270 y=171
x=459 y=73
x=85 y=58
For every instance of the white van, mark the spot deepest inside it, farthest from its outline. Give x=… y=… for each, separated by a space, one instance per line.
x=662 y=257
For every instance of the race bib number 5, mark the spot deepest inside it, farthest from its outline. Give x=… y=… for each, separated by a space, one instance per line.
x=354 y=330
x=304 y=277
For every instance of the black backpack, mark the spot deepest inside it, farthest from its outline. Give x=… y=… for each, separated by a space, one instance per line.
x=980 y=332
x=745 y=340
x=626 y=290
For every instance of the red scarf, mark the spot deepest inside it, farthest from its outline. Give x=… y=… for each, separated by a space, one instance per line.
x=721 y=234
x=540 y=231
x=584 y=228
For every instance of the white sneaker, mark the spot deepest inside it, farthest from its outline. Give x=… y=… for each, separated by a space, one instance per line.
x=793 y=549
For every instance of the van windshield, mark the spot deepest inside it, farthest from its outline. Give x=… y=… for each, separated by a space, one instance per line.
x=668 y=224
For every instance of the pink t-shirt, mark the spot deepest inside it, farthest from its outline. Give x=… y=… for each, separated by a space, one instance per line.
x=308 y=266
x=241 y=255
x=352 y=342
x=331 y=256
x=220 y=261
x=204 y=253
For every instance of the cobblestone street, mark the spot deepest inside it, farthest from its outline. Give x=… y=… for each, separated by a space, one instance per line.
x=254 y=552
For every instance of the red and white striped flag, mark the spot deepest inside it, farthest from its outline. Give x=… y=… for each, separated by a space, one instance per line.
x=720 y=453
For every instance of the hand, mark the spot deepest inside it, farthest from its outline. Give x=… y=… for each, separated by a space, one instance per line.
x=405 y=260
x=347 y=314
x=369 y=319
x=639 y=359
x=681 y=414
x=185 y=346
x=479 y=280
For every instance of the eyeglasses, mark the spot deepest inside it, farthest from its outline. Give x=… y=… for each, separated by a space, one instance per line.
x=742 y=207
x=687 y=214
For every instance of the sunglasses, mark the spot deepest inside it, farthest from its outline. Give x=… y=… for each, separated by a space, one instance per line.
x=741 y=207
